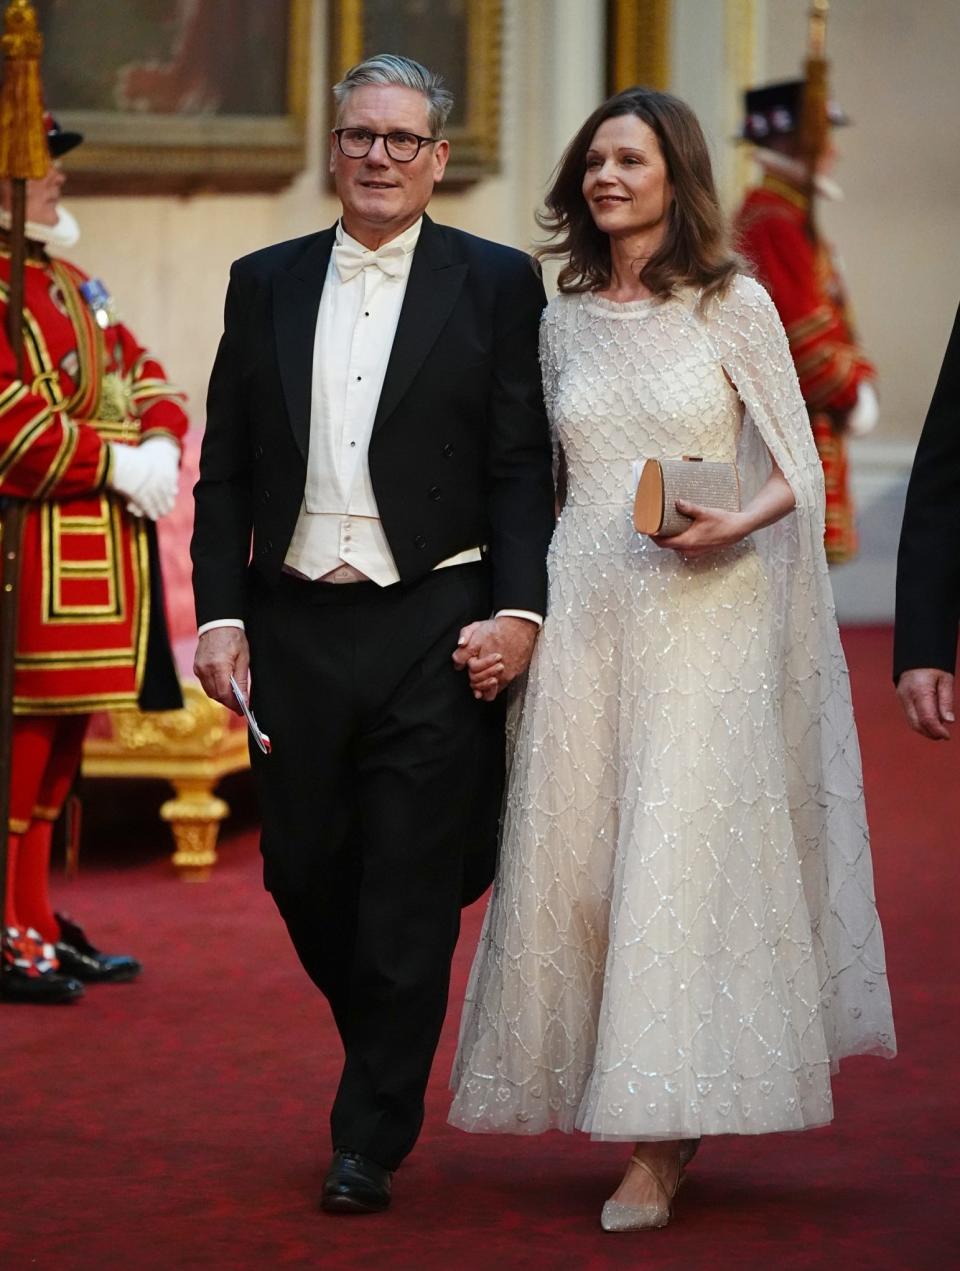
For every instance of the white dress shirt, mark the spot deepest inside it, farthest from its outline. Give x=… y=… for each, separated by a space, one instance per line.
x=339 y=522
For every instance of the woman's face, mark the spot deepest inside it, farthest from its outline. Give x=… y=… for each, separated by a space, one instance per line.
x=43 y=195
x=625 y=184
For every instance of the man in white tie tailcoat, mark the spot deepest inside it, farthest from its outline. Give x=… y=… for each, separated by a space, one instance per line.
x=375 y=479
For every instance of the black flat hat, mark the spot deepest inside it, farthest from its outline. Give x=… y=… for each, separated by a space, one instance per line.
x=775 y=109
x=58 y=141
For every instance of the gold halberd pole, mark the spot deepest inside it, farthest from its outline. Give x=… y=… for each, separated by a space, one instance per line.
x=24 y=156
x=814 y=122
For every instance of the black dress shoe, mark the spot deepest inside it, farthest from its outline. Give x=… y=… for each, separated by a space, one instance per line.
x=78 y=958
x=355 y=1185
x=46 y=989
x=29 y=973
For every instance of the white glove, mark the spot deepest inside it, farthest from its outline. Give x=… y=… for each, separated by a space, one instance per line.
x=148 y=475
x=866 y=411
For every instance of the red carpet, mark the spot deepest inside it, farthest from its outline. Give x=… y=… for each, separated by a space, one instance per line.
x=181 y=1122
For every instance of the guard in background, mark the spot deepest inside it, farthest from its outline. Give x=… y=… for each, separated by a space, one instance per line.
x=91 y=440
x=777 y=234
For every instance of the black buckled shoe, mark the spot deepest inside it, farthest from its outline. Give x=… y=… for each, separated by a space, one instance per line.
x=355 y=1185
x=30 y=975
x=78 y=957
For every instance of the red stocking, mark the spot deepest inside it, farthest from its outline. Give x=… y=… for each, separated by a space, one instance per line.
x=9 y=908
x=32 y=899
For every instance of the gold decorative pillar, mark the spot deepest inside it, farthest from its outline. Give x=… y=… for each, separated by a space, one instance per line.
x=638 y=44
x=192 y=749
x=194 y=817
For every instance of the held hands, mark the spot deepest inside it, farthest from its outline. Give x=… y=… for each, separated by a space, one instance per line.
x=494 y=653
x=926 y=695
x=222 y=652
x=711 y=529
x=148 y=475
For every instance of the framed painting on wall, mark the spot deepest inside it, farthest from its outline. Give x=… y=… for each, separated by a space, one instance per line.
x=178 y=95
x=461 y=39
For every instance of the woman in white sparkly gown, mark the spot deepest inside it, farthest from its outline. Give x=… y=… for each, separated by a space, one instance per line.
x=682 y=938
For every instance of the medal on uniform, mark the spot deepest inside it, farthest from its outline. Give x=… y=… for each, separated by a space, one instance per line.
x=100 y=303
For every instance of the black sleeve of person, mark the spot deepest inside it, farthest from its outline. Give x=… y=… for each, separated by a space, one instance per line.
x=223 y=505
x=928 y=562
x=520 y=496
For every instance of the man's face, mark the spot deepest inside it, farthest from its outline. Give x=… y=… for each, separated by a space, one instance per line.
x=381 y=197
x=43 y=195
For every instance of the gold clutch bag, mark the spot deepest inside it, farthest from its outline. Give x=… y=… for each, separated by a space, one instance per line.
x=663 y=481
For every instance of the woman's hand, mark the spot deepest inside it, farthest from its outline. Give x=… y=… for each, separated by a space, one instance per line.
x=711 y=529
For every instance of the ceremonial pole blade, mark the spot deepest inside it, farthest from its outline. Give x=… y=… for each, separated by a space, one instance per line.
x=23 y=156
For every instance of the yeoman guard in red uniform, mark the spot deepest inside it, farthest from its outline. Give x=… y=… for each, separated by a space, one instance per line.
x=90 y=438
x=797 y=266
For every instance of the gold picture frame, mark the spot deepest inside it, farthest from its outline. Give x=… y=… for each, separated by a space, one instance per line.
x=171 y=105
x=461 y=39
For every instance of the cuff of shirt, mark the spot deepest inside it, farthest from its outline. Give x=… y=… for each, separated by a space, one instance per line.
x=221 y=622
x=520 y=613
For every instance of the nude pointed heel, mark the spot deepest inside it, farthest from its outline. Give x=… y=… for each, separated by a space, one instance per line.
x=618 y=1217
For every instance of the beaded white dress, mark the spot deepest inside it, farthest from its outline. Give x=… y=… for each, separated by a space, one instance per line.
x=682 y=937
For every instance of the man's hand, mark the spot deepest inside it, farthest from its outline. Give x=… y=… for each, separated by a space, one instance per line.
x=495 y=652
x=926 y=695
x=222 y=652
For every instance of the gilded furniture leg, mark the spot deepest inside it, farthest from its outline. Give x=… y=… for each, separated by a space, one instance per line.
x=194 y=816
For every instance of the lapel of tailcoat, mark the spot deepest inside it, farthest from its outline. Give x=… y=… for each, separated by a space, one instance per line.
x=296 y=300
x=434 y=284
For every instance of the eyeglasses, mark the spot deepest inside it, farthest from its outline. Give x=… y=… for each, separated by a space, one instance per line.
x=402 y=147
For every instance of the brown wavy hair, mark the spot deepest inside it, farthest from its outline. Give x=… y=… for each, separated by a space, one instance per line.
x=695 y=250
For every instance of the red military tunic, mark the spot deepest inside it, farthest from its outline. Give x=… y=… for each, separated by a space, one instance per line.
x=806 y=289
x=84 y=591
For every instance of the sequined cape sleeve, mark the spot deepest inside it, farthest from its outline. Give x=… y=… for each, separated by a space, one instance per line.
x=823 y=757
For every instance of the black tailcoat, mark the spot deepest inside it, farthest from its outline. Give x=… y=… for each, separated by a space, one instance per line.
x=460 y=451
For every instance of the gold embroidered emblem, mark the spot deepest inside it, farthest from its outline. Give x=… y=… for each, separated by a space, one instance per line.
x=114 y=405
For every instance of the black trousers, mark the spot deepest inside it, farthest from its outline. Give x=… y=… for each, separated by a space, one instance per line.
x=380 y=802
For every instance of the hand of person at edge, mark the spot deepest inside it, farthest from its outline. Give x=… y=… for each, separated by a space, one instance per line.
x=222 y=652
x=494 y=653
x=926 y=695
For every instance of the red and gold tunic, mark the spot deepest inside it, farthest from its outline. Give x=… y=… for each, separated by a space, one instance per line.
x=805 y=287
x=84 y=589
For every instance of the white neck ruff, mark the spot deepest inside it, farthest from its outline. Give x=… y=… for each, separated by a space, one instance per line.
x=66 y=232
x=796 y=170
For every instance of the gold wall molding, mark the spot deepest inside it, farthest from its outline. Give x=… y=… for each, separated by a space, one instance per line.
x=740 y=23
x=638 y=44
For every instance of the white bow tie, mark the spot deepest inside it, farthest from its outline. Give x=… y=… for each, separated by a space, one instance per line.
x=350 y=258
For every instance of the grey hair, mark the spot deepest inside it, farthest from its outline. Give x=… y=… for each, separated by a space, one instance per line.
x=391 y=68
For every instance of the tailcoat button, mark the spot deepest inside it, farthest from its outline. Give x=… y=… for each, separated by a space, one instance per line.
x=434 y=492
x=420 y=542
x=446 y=450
